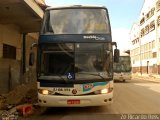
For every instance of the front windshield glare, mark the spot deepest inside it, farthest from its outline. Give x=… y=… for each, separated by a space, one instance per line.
x=85 y=60
x=76 y=21
x=89 y=59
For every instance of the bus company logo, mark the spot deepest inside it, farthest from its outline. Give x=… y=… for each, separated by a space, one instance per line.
x=74 y=91
x=88 y=86
x=93 y=37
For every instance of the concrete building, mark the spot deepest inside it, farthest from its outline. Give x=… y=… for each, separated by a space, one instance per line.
x=19 y=26
x=135 y=50
x=145 y=37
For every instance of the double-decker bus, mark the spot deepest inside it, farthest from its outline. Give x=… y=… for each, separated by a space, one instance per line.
x=122 y=70
x=75 y=57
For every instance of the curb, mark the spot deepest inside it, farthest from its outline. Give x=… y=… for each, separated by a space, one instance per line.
x=151 y=79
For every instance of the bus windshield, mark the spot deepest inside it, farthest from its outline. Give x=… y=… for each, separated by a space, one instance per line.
x=86 y=61
x=124 y=64
x=76 y=21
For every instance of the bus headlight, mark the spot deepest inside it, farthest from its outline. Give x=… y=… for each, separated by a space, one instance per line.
x=44 y=92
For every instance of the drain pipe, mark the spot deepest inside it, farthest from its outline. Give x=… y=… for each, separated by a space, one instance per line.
x=24 y=53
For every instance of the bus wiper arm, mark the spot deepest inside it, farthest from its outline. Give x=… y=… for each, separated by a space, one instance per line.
x=53 y=78
x=93 y=74
x=65 y=80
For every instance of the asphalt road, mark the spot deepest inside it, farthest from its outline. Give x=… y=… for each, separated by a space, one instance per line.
x=133 y=97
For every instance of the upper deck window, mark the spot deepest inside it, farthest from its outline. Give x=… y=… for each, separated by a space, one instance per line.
x=76 y=21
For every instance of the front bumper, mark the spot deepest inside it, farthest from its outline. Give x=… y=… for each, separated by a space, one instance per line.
x=86 y=100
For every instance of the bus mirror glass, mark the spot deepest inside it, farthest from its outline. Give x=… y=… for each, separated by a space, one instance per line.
x=31 y=59
x=116 y=55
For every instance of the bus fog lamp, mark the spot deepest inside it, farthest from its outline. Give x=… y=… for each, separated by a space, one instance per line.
x=105 y=100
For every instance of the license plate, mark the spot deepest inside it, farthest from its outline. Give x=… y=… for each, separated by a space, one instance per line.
x=73 y=102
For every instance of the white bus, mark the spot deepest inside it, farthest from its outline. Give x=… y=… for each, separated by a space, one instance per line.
x=122 y=70
x=75 y=57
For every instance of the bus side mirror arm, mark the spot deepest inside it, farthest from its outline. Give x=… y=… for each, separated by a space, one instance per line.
x=32 y=55
x=33 y=45
x=114 y=44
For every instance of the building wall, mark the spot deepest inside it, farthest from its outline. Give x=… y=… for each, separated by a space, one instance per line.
x=135 y=49
x=9 y=68
x=11 y=74
x=10 y=35
x=148 y=60
x=158 y=33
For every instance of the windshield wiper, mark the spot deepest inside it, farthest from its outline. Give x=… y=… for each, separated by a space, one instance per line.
x=93 y=74
x=52 y=78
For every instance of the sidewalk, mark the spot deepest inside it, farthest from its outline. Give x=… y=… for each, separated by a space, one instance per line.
x=152 y=78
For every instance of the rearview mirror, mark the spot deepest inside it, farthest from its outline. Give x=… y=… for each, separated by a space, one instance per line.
x=116 y=55
x=31 y=59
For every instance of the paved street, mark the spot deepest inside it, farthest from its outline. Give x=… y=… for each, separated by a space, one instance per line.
x=132 y=97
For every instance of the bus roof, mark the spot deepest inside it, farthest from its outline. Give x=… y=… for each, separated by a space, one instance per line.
x=77 y=6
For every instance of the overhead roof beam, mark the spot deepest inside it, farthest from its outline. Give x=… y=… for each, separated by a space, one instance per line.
x=33 y=5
